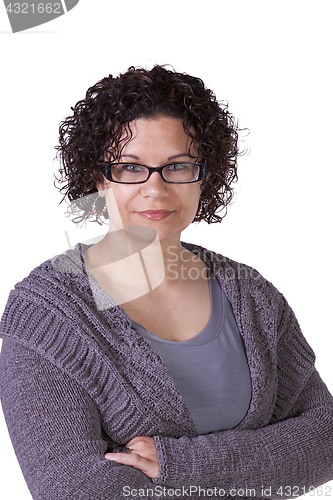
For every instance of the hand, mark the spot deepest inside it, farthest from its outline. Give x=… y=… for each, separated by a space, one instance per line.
x=143 y=456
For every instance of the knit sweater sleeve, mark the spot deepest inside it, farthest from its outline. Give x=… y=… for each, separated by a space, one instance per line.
x=55 y=429
x=289 y=455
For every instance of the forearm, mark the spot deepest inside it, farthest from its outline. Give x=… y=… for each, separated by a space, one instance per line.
x=297 y=451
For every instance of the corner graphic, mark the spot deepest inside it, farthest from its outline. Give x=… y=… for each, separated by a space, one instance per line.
x=25 y=15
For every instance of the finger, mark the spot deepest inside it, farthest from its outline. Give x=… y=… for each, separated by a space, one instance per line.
x=134 y=460
x=142 y=445
x=121 y=449
x=136 y=440
x=121 y=458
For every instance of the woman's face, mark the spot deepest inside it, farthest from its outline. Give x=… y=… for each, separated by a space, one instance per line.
x=168 y=208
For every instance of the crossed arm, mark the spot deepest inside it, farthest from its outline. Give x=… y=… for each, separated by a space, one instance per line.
x=55 y=430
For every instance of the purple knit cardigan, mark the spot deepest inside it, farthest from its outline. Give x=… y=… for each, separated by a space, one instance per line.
x=77 y=379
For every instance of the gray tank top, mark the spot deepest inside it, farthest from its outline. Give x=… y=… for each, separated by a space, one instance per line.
x=210 y=370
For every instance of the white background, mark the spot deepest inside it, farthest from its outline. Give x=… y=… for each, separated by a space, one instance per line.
x=271 y=60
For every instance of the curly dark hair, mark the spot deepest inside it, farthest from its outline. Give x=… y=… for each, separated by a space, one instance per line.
x=98 y=123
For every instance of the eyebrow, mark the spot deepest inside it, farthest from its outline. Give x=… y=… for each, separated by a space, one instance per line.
x=170 y=158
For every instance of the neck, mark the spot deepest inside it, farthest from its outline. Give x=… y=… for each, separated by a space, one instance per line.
x=132 y=263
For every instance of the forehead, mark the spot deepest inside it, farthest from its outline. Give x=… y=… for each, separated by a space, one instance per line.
x=162 y=133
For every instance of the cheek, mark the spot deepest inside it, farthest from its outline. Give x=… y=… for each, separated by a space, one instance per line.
x=114 y=203
x=123 y=199
x=194 y=197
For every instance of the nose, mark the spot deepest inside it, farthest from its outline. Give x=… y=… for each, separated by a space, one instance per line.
x=155 y=187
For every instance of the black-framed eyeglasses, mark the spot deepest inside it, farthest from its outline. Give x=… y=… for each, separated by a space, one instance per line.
x=135 y=173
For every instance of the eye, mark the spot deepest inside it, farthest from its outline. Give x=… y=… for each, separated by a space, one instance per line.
x=132 y=167
x=178 y=166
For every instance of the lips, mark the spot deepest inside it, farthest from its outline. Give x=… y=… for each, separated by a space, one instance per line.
x=154 y=214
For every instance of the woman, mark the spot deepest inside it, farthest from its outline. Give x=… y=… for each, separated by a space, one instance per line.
x=144 y=366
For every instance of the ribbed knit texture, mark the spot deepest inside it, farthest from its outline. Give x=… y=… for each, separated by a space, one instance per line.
x=77 y=379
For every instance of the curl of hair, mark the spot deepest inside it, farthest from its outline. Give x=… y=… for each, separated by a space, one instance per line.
x=100 y=126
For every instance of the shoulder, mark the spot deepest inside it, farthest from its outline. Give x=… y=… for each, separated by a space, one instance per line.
x=48 y=283
x=236 y=277
x=55 y=297
x=257 y=304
